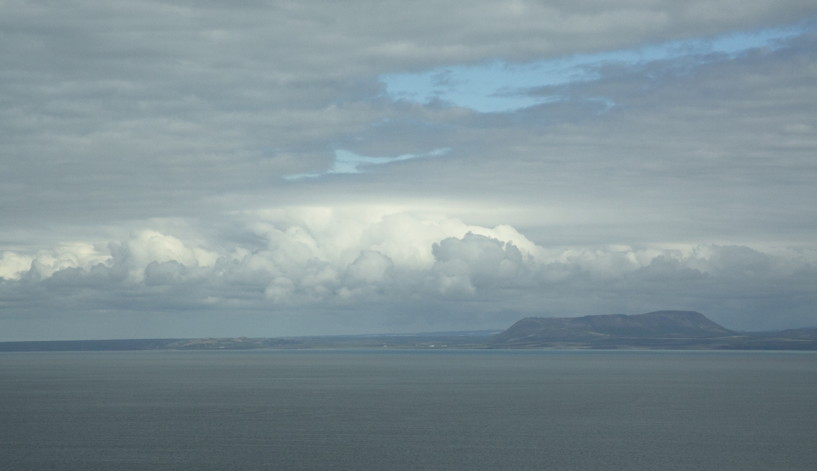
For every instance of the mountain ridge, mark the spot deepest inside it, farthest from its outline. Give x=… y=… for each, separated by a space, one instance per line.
x=681 y=330
x=652 y=325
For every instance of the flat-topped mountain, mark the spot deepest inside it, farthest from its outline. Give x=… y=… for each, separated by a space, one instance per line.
x=604 y=329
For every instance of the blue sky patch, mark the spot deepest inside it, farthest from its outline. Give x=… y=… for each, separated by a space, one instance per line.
x=347 y=162
x=499 y=86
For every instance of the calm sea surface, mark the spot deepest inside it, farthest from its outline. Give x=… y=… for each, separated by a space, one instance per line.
x=387 y=410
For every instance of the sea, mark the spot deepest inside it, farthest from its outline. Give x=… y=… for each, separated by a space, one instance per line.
x=387 y=409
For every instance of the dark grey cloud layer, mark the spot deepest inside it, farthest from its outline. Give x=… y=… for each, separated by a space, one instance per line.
x=144 y=148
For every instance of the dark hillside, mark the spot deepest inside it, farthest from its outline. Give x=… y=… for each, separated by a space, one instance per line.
x=677 y=325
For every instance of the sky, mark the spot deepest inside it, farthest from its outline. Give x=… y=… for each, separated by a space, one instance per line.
x=217 y=169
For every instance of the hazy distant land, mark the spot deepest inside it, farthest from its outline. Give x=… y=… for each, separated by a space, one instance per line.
x=654 y=330
x=668 y=330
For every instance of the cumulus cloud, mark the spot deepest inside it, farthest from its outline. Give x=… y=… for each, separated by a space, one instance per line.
x=12 y=265
x=476 y=262
x=404 y=259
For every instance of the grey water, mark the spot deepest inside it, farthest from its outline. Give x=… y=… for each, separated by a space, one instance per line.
x=395 y=410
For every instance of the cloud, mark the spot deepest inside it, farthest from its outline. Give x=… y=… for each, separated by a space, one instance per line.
x=350 y=163
x=478 y=263
x=505 y=87
x=106 y=102
x=377 y=261
x=13 y=265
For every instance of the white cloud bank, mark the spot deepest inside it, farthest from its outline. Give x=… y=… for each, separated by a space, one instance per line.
x=313 y=262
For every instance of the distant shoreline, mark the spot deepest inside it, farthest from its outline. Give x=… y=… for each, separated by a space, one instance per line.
x=749 y=342
x=657 y=330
